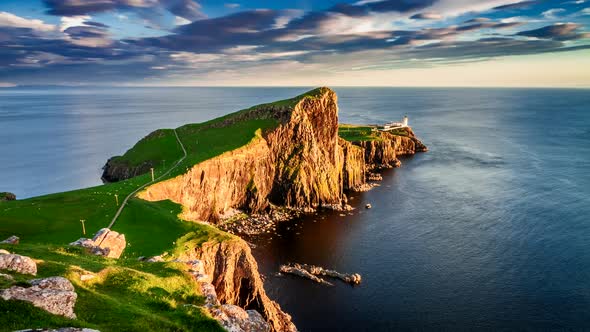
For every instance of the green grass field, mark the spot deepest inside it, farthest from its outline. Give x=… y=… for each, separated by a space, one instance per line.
x=127 y=295
x=357 y=133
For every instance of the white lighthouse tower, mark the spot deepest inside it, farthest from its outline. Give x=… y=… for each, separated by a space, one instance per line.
x=405 y=121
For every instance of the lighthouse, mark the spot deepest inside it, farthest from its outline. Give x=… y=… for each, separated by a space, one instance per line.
x=405 y=121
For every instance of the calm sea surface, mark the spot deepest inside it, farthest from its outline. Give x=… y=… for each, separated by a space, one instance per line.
x=488 y=230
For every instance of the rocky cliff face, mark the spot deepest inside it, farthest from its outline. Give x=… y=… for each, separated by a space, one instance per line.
x=301 y=164
x=114 y=171
x=232 y=270
x=383 y=153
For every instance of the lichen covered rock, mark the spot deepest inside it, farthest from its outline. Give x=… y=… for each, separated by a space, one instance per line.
x=55 y=295
x=12 y=240
x=104 y=243
x=17 y=263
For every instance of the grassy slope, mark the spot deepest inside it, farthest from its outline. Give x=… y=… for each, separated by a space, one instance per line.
x=127 y=295
x=356 y=133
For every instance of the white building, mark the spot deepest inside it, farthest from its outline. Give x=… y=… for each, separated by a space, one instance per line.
x=394 y=125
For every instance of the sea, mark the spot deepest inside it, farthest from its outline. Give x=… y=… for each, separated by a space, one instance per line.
x=489 y=230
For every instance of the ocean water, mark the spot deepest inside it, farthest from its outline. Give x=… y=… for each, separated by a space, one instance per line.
x=489 y=230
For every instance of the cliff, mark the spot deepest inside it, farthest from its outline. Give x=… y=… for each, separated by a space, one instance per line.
x=383 y=151
x=232 y=270
x=300 y=164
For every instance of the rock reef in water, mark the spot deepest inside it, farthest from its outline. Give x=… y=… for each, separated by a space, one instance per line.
x=301 y=164
x=311 y=272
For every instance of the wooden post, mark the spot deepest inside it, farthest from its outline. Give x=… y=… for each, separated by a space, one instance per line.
x=152 y=169
x=83 y=227
x=117 y=199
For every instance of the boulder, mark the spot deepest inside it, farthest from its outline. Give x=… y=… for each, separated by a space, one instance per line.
x=12 y=240
x=18 y=263
x=6 y=196
x=54 y=294
x=105 y=243
x=61 y=329
x=235 y=319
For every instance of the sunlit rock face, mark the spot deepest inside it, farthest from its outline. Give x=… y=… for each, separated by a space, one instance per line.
x=301 y=164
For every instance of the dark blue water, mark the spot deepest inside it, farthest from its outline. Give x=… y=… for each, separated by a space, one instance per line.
x=490 y=230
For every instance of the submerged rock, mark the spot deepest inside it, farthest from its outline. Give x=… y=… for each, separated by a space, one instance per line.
x=311 y=271
x=18 y=263
x=302 y=273
x=55 y=295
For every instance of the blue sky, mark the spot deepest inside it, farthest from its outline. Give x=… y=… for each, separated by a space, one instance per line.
x=294 y=42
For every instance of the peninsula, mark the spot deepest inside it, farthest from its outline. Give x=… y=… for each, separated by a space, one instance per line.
x=160 y=259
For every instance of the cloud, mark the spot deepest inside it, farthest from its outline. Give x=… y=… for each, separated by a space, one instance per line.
x=72 y=21
x=180 y=20
x=426 y=16
x=14 y=21
x=552 y=14
x=232 y=5
x=516 y=5
x=187 y=9
x=558 y=31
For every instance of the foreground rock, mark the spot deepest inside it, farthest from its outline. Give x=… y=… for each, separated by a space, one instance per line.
x=232 y=317
x=55 y=295
x=61 y=329
x=232 y=274
x=17 y=263
x=311 y=271
x=6 y=196
x=12 y=240
x=105 y=243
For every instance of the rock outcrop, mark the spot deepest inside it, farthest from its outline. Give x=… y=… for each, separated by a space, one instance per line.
x=55 y=295
x=233 y=318
x=383 y=153
x=301 y=164
x=12 y=240
x=311 y=271
x=61 y=329
x=104 y=243
x=114 y=170
x=6 y=196
x=17 y=263
x=232 y=271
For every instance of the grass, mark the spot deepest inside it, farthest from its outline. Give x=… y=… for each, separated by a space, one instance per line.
x=125 y=295
x=358 y=133
x=160 y=147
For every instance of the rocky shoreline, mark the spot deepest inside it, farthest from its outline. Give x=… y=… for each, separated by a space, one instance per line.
x=300 y=167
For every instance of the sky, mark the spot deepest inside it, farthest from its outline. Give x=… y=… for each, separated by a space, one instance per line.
x=505 y=43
